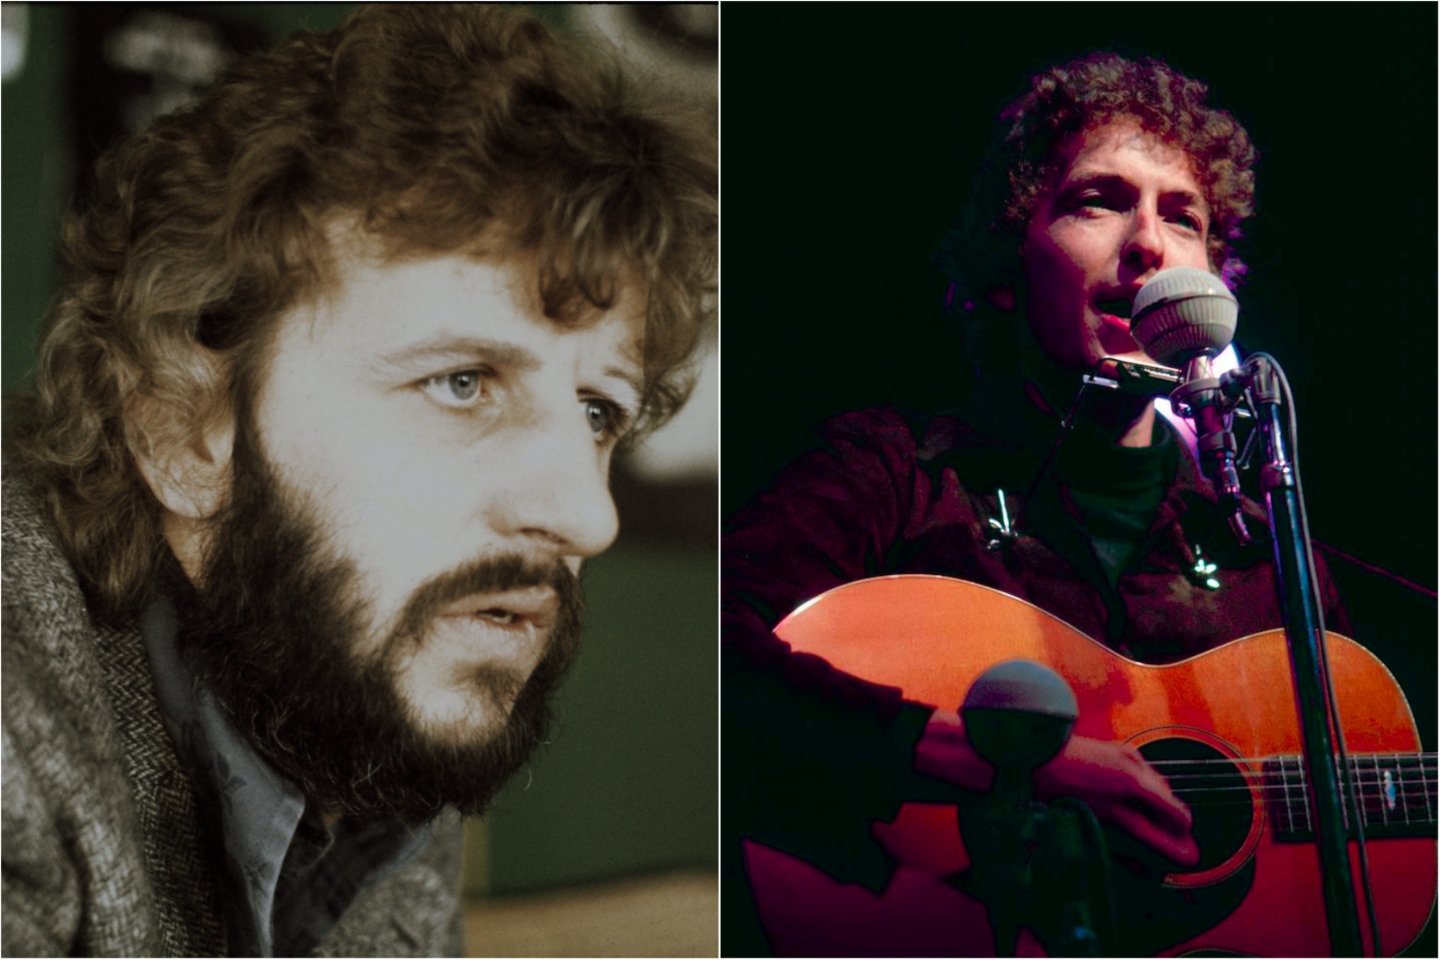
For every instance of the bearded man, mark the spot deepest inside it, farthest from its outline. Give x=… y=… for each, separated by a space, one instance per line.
x=319 y=440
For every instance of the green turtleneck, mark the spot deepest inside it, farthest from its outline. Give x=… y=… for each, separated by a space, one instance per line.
x=1117 y=489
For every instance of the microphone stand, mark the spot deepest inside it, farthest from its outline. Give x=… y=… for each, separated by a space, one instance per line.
x=1039 y=866
x=1207 y=400
x=1295 y=588
x=1032 y=865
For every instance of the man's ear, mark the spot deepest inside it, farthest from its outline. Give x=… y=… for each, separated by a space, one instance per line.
x=185 y=465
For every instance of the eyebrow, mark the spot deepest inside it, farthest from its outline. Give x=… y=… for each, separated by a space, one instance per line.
x=633 y=374
x=447 y=347
x=633 y=380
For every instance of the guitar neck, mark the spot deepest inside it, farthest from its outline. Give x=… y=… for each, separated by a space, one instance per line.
x=1395 y=792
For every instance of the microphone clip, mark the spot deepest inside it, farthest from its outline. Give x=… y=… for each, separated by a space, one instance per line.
x=1203 y=399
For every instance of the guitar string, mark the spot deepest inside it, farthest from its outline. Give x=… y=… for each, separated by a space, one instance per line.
x=1402 y=774
x=1373 y=811
x=1245 y=804
x=1377 y=810
x=1372 y=788
x=1371 y=776
x=1262 y=782
x=1369 y=781
x=1354 y=758
x=1264 y=789
x=1251 y=783
x=1414 y=760
x=1396 y=830
x=1246 y=808
x=1267 y=781
x=1221 y=812
x=1421 y=785
x=1401 y=793
x=1372 y=773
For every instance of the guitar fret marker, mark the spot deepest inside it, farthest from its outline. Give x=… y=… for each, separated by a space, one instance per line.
x=1386 y=804
x=1404 y=802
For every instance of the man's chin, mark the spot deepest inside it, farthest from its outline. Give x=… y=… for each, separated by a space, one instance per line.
x=457 y=701
x=459 y=758
x=458 y=717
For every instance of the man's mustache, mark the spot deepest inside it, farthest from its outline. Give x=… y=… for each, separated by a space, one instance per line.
x=485 y=575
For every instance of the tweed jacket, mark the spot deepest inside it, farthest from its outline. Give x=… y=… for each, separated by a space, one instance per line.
x=106 y=849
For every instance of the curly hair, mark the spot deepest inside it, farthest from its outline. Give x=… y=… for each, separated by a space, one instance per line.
x=435 y=129
x=1065 y=101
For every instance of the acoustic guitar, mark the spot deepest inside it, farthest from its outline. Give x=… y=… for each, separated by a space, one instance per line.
x=1220 y=726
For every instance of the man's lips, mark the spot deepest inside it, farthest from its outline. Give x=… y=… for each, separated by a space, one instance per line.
x=535 y=606
x=1119 y=323
x=1114 y=330
x=1115 y=308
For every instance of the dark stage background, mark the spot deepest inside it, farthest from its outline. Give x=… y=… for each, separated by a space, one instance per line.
x=850 y=134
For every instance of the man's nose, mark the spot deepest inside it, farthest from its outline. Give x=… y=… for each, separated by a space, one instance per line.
x=1145 y=245
x=558 y=492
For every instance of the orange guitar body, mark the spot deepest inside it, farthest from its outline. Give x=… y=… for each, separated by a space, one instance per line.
x=1255 y=892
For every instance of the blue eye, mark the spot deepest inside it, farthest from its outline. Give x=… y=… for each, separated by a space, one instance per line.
x=601 y=416
x=458 y=389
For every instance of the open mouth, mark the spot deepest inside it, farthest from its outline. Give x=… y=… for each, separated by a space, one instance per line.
x=1118 y=307
x=1114 y=333
x=526 y=606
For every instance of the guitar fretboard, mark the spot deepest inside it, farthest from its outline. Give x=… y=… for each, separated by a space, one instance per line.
x=1395 y=794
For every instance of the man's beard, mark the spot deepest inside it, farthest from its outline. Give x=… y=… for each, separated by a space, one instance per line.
x=277 y=632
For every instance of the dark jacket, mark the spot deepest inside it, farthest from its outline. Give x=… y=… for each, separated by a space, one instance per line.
x=106 y=851
x=812 y=754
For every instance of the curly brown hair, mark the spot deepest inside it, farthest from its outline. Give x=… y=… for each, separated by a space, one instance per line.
x=436 y=129
x=1065 y=101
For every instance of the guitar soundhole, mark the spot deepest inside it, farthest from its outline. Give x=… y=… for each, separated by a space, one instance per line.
x=1214 y=788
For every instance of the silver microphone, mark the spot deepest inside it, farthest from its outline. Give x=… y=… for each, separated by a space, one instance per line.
x=1182 y=313
x=1183 y=317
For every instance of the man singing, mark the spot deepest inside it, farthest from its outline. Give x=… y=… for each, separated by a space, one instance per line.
x=1108 y=171
x=319 y=441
